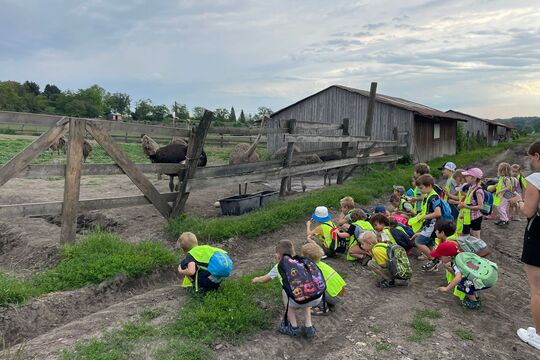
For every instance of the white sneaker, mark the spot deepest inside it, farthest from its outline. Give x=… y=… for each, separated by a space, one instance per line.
x=530 y=337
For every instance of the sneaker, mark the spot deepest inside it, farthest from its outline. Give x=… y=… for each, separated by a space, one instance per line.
x=530 y=337
x=383 y=284
x=365 y=261
x=324 y=257
x=309 y=331
x=431 y=266
x=471 y=304
x=287 y=329
x=501 y=223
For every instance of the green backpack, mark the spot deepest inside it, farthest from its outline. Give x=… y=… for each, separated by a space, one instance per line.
x=482 y=272
x=398 y=262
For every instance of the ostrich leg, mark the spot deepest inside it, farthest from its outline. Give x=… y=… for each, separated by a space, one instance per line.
x=239 y=189
x=304 y=187
x=171 y=183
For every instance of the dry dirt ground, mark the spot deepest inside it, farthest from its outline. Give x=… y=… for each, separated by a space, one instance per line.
x=369 y=320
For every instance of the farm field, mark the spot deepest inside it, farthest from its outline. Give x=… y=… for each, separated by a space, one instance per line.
x=413 y=322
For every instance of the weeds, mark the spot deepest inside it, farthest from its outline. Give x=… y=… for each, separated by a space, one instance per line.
x=422 y=328
x=383 y=346
x=151 y=313
x=465 y=334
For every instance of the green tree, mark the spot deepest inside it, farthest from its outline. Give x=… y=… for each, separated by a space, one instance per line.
x=143 y=110
x=31 y=87
x=262 y=112
x=51 y=91
x=180 y=110
x=232 y=115
x=221 y=114
x=93 y=100
x=118 y=103
x=10 y=96
x=242 y=117
x=197 y=112
x=159 y=113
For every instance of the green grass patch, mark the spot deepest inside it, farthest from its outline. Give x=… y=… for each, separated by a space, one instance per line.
x=383 y=346
x=96 y=257
x=363 y=189
x=422 y=328
x=465 y=334
x=230 y=314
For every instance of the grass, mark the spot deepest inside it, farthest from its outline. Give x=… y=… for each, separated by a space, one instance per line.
x=422 y=328
x=383 y=346
x=465 y=334
x=230 y=314
x=363 y=189
x=98 y=256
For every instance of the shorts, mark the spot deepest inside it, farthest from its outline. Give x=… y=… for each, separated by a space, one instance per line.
x=293 y=304
x=469 y=243
x=531 y=243
x=475 y=225
x=424 y=240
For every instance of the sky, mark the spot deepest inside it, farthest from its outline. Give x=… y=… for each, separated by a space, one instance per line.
x=481 y=57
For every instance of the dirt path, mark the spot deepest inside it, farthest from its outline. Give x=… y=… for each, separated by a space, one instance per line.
x=370 y=319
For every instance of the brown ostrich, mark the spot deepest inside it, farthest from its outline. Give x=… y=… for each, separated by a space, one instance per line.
x=244 y=153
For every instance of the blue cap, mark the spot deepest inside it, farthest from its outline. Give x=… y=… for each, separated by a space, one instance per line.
x=379 y=209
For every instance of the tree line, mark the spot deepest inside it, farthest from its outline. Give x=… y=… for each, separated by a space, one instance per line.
x=96 y=102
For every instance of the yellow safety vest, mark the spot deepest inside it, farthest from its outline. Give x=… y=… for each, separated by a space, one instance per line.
x=500 y=184
x=364 y=225
x=334 y=281
x=449 y=277
x=201 y=254
x=418 y=193
x=326 y=230
x=459 y=221
x=417 y=221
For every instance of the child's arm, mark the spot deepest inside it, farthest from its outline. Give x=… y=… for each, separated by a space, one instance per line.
x=342 y=219
x=505 y=188
x=434 y=215
x=261 y=279
x=189 y=270
x=452 y=284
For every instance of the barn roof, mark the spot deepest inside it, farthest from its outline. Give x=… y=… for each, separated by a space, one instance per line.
x=469 y=117
x=390 y=100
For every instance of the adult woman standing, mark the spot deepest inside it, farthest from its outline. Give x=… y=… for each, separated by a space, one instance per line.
x=530 y=207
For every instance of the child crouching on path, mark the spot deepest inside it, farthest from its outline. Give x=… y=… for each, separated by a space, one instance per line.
x=335 y=285
x=379 y=262
x=290 y=327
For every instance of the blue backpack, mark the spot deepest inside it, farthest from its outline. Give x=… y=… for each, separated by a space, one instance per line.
x=446 y=210
x=407 y=229
x=488 y=202
x=220 y=265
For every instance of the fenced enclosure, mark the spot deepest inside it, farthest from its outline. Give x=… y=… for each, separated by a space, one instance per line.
x=169 y=204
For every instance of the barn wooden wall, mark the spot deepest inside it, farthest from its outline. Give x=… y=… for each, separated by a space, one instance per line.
x=332 y=106
x=425 y=147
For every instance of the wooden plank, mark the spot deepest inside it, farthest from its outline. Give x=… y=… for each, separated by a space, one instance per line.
x=243 y=131
x=344 y=148
x=32 y=151
x=9 y=117
x=194 y=150
x=323 y=139
x=318 y=126
x=55 y=207
x=136 y=176
x=368 y=131
x=72 y=184
x=288 y=157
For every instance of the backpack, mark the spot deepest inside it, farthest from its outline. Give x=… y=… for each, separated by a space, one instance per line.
x=482 y=272
x=339 y=245
x=398 y=262
x=488 y=202
x=439 y=190
x=302 y=280
x=407 y=229
x=220 y=266
x=446 y=210
x=401 y=238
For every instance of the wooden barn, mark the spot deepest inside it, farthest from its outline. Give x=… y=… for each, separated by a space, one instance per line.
x=429 y=133
x=484 y=129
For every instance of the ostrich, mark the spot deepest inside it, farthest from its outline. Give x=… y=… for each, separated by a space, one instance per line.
x=87 y=148
x=150 y=146
x=244 y=153
x=330 y=172
x=175 y=154
x=58 y=145
x=299 y=158
x=178 y=140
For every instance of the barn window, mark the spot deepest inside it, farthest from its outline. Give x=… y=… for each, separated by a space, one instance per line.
x=436 y=131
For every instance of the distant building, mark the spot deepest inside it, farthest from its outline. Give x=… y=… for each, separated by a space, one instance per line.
x=115 y=117
x=430 y=133
x=487 y=130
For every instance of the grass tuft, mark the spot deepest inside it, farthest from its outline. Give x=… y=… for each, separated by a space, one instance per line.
x=465 y=334
x=383 y=346
x=422 y=328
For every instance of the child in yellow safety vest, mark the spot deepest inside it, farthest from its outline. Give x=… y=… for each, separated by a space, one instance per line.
x=503 y=192
x=346 y=205
x=325 y=233
x=519 y=185
x=335 y=285
x=352 y=231
x=193 y=266
x=458 y=195
x=379 y=262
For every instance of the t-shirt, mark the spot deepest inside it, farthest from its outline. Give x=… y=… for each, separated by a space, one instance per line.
x=355 y=231
x=273 y=273
x=184 y=263
x=451 y=184
x=379 y=254
x=534 y=180
x=478 y=192
x=407 y=206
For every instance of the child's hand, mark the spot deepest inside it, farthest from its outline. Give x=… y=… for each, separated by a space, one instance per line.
x=255 y=280
x=442 y=289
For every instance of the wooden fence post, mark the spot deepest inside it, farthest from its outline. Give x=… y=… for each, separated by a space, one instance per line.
x=194 y=150
x=344 y=148
x=72 y=182
x=32 y=151
x=220 y=140
x=288 y=157
x=129 y=168
x=395 y=149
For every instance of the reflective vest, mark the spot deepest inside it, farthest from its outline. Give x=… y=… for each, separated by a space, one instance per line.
x=449 y=277
x=201 y=254
x=334 y=281
x=418 y=193
x=402 y=201
x=500 y=184
x=326 y=230
x=522 y=182
x=364 y=225
x=423 y=210
x=459 y=221
x=391 y=239
x=447 y=188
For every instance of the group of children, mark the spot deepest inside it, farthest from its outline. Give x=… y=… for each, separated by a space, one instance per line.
x=442 y=225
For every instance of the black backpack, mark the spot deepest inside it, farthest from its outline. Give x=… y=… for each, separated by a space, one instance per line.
x=301 y=279
x=402 y=239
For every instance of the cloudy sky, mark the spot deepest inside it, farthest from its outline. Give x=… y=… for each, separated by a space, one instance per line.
x=477 y=56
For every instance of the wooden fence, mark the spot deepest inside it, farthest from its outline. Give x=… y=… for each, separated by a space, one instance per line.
x=168 y=204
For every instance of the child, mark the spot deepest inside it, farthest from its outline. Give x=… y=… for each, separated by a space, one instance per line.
x=504 y=186
x=285 y=247
x=447 y=252
x=352 y=232
x=191 y=267
x=448 y=169
x=379 y=223
x=519 y=184
x=431 y=211
x=472 y=204
x=379 y=263
x=346 y=204
x=419 y=170
x=324 y=232
x=335 y=285
x=402 y=206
